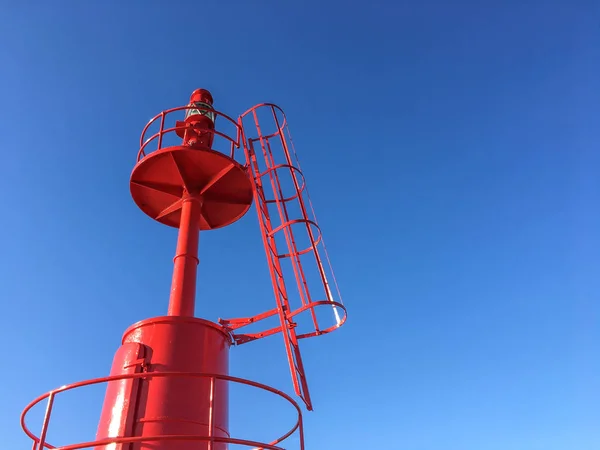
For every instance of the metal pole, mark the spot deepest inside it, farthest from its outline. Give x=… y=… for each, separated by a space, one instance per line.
x=183 y=286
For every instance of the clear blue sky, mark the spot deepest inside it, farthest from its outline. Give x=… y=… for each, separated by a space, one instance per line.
x=451 y=150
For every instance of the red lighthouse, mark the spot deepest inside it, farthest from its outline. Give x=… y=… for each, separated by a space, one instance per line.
x=169 y=383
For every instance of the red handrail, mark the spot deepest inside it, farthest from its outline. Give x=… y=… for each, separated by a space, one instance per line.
x=39 y=442
x=145 y=140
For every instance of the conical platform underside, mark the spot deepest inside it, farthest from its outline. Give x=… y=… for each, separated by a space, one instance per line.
x=158 y=182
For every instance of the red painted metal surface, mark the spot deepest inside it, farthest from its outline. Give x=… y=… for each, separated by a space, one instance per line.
x=183 y=286
x=290 y=234
x=169 y=172
x=119 y=416
x=201 y=441
x=207 y=190
x=169 y=406
x=198 y=121
x=168 y=388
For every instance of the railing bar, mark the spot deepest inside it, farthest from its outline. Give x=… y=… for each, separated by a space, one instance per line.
x=211 y=423
x=162 y=127
x=50 y=403
x=301 y=432
x=234 y=141
x=166 y=438
x=50 y=396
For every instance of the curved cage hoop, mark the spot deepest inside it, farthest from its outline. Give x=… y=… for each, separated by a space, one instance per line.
x=315 y=234
x=40 y=442
x=341 y=318
x=281 y=124
x=292 y=169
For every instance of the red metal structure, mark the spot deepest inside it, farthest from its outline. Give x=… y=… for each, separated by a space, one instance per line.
x=168 y=386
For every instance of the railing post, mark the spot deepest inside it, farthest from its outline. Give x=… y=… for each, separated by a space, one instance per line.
x=42 y=440
x=211 y=414
x=301 y=431
x=236 y=144
x=162 y=128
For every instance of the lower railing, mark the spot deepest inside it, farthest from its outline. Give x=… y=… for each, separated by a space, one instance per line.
x=40 y=443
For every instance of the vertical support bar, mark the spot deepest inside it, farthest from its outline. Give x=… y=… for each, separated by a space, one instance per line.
x=161 y=131
x=211 y=415
x=183 y=286
x=301 y=432
x=42 y=441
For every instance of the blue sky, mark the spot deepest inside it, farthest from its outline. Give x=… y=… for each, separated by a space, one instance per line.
x=451 y=150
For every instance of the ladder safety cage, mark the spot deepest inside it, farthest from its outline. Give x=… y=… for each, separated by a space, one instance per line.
x=294 y=247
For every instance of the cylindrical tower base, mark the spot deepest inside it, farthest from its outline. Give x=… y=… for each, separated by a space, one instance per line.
x=169 y=405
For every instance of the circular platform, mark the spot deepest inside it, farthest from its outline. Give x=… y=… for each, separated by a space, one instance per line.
x=159 y=180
